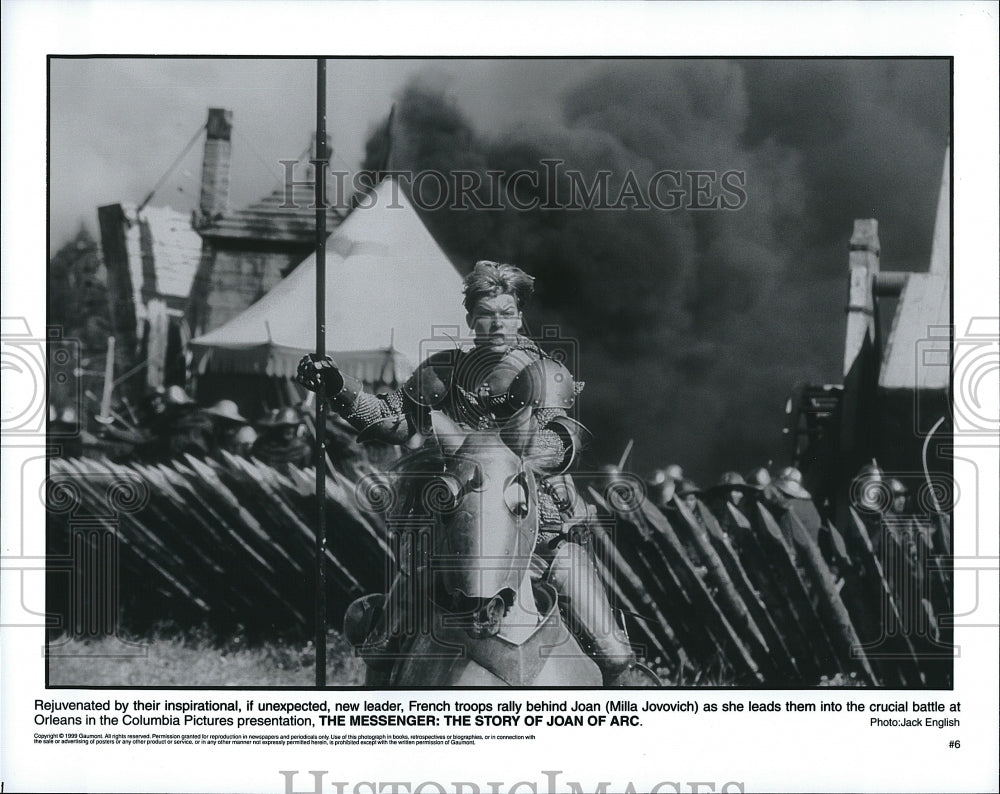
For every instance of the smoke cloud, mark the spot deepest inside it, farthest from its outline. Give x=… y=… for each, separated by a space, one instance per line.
x=694 y=324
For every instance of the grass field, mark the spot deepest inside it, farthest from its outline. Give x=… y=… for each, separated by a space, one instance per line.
x=192 y=660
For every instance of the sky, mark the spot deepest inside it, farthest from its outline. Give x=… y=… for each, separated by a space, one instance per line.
x=692 y=325
x=117 y=124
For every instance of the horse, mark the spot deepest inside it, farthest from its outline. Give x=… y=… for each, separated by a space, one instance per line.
x=478 y=615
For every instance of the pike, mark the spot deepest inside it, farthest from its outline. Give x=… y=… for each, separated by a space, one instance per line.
x=831 y=606
x=722 y=631
x=210 y=548
x=612 y=562
x=879 y=589
x=726 y=596
x=319 y=169
x=790 y=580
x=650 y=588
x=624 y=458
x=754 y=559
x=656 y=581
x=105 y=417
x=785 y=660
x=717 y=632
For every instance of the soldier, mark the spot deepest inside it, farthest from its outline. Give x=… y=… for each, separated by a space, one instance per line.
x=900 y=497
x=226 y=424
x=244 y=440
x=674 y=471
x=488 y=387
x=153 y=406
x=279 y=444
x=758 y=478
x=870 y=500
x=689 y=492
x=179 y=428
x=660 y=488
x=774 y=499
x=724 y=499
x=799 y=500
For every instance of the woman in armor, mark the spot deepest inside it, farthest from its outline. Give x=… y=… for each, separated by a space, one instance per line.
x=505 y=382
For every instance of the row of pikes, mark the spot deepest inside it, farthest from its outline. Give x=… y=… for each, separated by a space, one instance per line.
x=228 y=545
x=740 y=591
x=712 y=592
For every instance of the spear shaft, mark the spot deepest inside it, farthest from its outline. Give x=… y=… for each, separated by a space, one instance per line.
x=319 y=169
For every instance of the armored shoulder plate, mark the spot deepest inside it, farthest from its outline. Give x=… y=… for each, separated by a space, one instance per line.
x=431 y=381
x=544 y=383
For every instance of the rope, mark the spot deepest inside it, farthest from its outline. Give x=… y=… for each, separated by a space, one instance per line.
x=278 y=177
x=173 y=165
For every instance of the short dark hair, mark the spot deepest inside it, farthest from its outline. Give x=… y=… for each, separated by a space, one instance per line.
x=489 y=279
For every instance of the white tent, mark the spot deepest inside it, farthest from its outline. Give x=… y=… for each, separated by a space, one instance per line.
x=390 y=293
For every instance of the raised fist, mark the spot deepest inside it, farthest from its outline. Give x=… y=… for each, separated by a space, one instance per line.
x=315 y=369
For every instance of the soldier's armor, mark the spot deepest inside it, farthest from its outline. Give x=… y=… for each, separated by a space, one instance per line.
x=520 y=391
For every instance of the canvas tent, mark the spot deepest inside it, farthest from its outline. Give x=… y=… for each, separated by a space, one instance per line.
x=390 y=291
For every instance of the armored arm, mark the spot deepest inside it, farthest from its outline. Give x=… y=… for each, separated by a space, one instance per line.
x=376 y=417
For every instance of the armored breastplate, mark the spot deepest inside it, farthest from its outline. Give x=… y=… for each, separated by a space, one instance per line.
x=483 y=388
x=481 y=394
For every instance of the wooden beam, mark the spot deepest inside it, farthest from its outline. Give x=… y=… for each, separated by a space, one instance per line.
x=863 y=264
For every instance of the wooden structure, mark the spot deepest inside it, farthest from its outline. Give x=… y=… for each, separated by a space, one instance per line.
x=246 y=252
x=895 y=389
x=172 y=275
x=151 y=256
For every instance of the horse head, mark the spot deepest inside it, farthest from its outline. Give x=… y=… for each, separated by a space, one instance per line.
x=485 y=526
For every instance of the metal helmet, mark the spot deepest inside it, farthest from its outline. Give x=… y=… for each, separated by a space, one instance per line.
x=675 y=471
x=657 y=477
x=226 y=410
x=267 y=420
x=732 y=478
x=869 y=491
x=870 y=471
x=899 y=495
x=660 y=486
x=789 y=482
x=246 y=435
x=287 y=417
x=759 y=477
x=176 y=396
x=687 y=488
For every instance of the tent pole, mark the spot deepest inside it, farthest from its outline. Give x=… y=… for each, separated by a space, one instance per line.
x=319 y=169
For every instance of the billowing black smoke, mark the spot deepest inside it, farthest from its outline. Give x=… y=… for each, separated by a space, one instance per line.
x=694 y=324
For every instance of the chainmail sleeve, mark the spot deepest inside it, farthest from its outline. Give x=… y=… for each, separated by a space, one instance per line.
x=548 y=448
x=381 y=417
